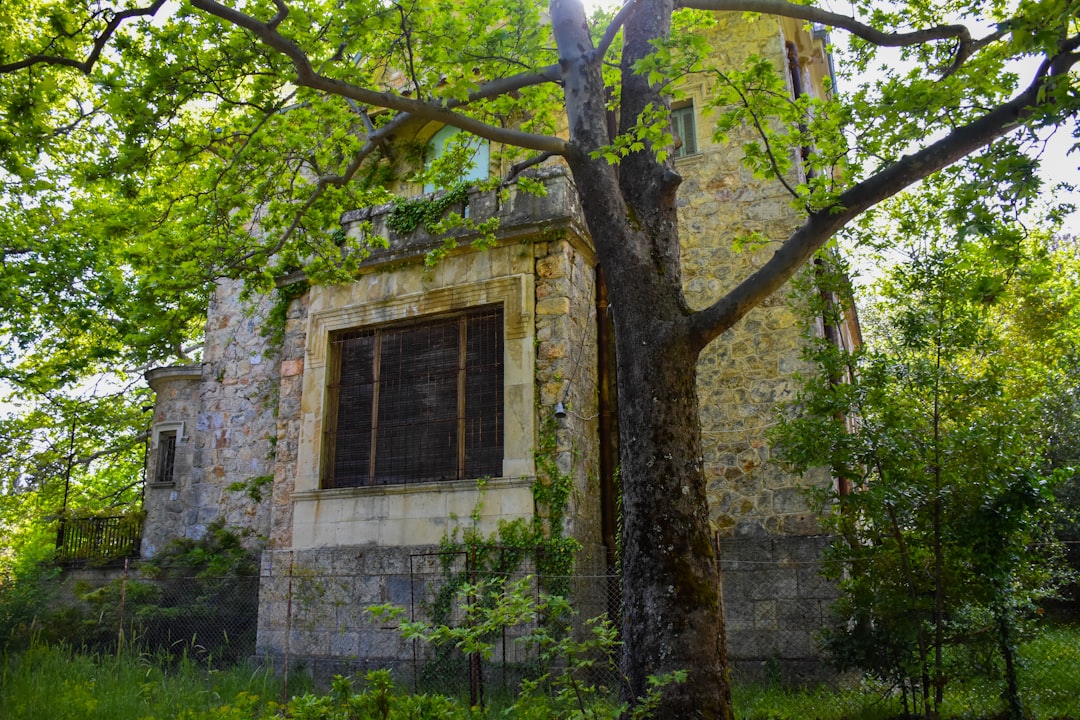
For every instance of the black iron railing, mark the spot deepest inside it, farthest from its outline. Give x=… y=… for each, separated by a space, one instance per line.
x=98 y=539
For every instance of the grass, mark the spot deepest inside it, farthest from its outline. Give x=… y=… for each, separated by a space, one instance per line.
x=1049 y=677
x=54 y=683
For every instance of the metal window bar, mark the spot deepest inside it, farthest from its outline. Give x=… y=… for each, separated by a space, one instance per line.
x=166 y=458
x=417 y=402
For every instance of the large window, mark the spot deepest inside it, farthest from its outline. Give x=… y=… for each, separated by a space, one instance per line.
x=416 y=402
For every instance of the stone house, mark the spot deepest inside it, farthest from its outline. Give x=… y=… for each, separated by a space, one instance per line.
x=353 y=447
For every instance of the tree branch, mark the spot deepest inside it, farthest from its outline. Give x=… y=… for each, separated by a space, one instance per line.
x=374 y=140
x=114 y=450
x=760 y=129
x=441 y=112
x=85 y=66
x=707 y=324
x=966 y=45
x=613 y=28
x=520 y=167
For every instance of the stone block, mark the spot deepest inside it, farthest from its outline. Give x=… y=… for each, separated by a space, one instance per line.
x=386 y=561
x=553 y=306
x=404 y=590
x=345 y=643
x=308 y=642
x=801 y=614
x=753 y=644
x=765 y=615
x=813 y=586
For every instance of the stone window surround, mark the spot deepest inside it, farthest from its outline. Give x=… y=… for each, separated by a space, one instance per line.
x=513 y=292
x=695 y=95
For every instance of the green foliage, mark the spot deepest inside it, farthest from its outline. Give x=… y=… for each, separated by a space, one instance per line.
x=219 y=553
x=946 y=540
x=1049 y=662
x=408 y=215
x=564 y=685
x=195 y=599
x=540 y=540
x=67 y=455
x=252 y=487
x=785 y=133
x=274 y=325
x=25 y=591
x=50 y=681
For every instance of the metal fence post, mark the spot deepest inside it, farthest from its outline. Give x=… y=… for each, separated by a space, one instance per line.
x=288 y=633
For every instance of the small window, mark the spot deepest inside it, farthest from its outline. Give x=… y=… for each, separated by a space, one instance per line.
x=166 y=457
x=682 y=127
x=477 y=150
x=417 y=402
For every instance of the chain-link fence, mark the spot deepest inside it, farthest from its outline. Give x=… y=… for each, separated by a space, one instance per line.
x=211 y=619
x=489 y=623
x=314 y=613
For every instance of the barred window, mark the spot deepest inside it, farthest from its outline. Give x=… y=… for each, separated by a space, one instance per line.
x=166 y=457
x=417 y=402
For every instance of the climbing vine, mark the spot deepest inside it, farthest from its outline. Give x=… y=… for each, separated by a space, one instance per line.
x=426 y=211
x=540 y=539
x=273 y=327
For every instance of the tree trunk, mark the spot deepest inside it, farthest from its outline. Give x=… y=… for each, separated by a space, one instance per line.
x=672 y=616
x=671 y=604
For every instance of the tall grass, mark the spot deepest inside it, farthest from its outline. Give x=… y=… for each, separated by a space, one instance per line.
x=48 y=682
x=1049 y=682
x=53 y=683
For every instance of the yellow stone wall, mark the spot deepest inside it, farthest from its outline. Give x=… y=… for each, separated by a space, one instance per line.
x=746 y=372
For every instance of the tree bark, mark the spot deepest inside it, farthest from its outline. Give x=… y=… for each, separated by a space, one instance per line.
x=672 y=615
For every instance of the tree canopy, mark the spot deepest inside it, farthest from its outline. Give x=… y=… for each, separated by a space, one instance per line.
x=140 y=144
x=150 y=148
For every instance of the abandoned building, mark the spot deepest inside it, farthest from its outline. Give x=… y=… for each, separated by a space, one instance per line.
x=357 y=444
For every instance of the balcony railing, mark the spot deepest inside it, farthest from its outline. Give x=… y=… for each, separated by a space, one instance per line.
x=98 y=539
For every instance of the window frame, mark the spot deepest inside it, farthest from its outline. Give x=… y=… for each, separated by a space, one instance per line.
x=475 y=418
x=681 y=114
x=163 y=434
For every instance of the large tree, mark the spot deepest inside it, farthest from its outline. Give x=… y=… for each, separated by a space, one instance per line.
x=148 y=149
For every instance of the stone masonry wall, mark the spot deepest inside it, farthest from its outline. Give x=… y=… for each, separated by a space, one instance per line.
x=315 y=614
x=290 y=395
x=229 y=430
x=746 y=372
x=774 y=598
x=329 y=628
x=176 y=410
x=776 y=603
x=236 y=429
x=566 y=370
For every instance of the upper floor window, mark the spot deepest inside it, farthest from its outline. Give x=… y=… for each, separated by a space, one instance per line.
x=416 y=402
x=682 y=127
x=477 y=153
